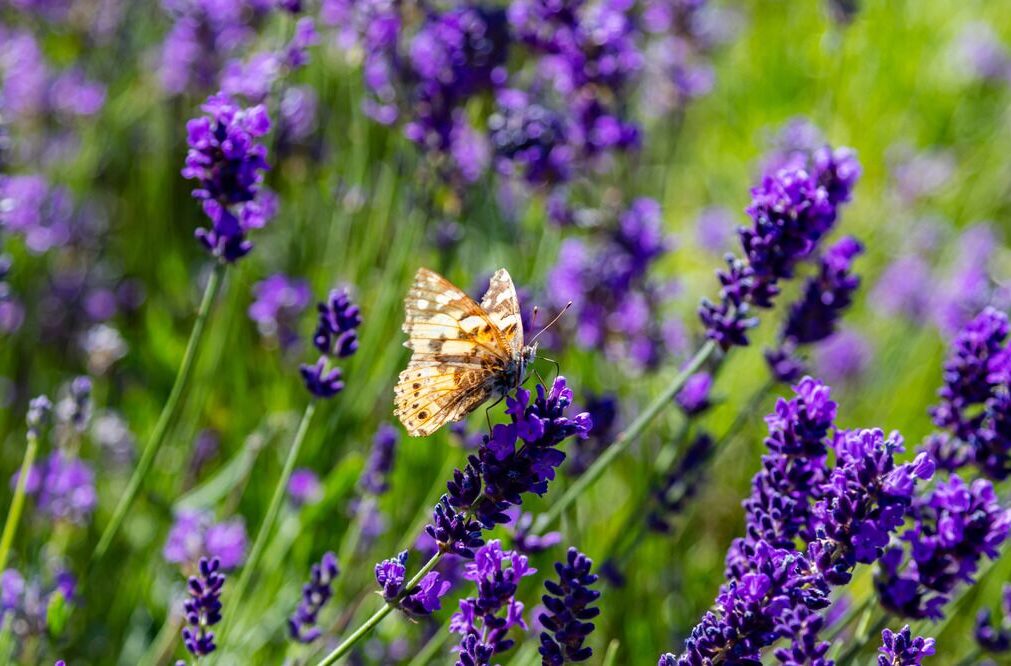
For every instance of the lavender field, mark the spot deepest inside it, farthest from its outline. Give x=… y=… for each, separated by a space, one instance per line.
x=741 y=396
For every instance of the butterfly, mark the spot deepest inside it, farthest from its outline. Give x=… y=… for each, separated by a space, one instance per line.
x=463 y=353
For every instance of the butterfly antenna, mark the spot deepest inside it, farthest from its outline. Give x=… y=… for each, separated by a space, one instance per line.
x=533 y=316
x=550 y=323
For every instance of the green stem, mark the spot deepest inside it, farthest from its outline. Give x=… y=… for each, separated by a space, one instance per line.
x=861 y=639
x=263 y=535
x=18 y=501
x=623 y=440
x=167 y=416
x=426 y=655
x=377 y=617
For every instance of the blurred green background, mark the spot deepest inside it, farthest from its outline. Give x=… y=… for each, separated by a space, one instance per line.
x=888 y=82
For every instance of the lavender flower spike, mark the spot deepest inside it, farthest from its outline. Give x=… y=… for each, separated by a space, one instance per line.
x=569 y=608
x=203 y=608
x=422 y=599
x=902 y=649
x=316 y=593
x=228 y=165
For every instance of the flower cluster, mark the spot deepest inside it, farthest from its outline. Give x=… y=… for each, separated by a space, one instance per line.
x=254 y=79
x=304 y=487
x=203 y=36
x=568 y=610
x=903 y=649
x=278 y=303
x=484 y=621
x=792 y=210
x=614 y=302
x=423 y=599
x=975 y=406
x=560 y=74
x=194 y=535
x=814 y=316
x=63 y=487
x=844 y=515
x=995 y=638
x=315 y=594
x=336 y=337
x=228 y=164
x=953 y=529
x=26 y=603
x=517 y=458
x=203 y=607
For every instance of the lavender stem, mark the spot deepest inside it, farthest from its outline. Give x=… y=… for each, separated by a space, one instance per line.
x=624 y=439
x=168 y=413
x=263 y=534
x=18 y=501
x=378 y=616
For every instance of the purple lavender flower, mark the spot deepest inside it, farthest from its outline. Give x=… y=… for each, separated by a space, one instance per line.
x=315 y=594
x=615 y=304
x=228 y=165
x=714 y=228
x=954 y=527
x=63 y=487
x=982 y=55
x=422 y=599
x=975 y=401
x=375 y=477
x=336 y=337
x=279 y=302
x=694 y=397
x=530 y=140
x=792 y=210
x=304 y=487
x=524 y=540
x=39 y=212
x=814 y=316
x=569 y=608
x=203 y=608
x=484 y=621
x=40 y=409
x=195 y=535
x=844 y=515
x=902 y=649
x=842 y=357
x=904 y=288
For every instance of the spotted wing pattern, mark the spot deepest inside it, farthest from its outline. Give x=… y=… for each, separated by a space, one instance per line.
x=503 y=308
x=458 y=351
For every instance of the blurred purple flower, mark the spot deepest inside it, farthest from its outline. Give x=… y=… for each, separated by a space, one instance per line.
x=279 y=303
x=194 y=534
x=981 y=54
x=63 y=487
x=842 y=357
x=714 y=228
x=304 y=487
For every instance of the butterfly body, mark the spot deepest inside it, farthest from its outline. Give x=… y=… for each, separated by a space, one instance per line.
x=463 y=352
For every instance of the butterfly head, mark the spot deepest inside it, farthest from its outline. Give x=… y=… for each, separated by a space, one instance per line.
x=527 y=356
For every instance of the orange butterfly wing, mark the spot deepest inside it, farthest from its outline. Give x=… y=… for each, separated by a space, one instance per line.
x=458 y=350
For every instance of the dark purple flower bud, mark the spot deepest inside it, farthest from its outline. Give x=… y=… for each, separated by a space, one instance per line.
x=339 y=318
x=315 y=594
x=568 y=609
x=902 y=649
x=203 y=608
x=375 y=477
x=321 y=380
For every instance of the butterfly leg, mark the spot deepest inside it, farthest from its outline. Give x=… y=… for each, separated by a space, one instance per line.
x=487 y=412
